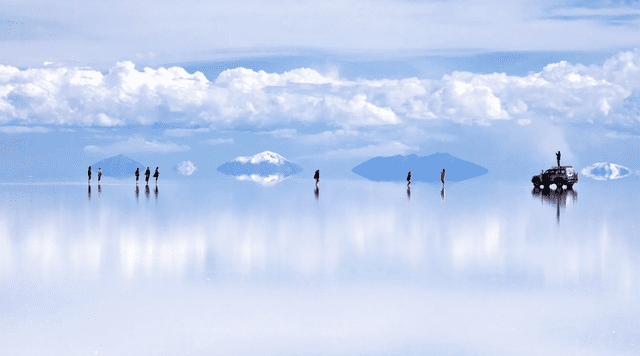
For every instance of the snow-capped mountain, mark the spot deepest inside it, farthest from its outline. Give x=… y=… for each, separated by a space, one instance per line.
x=264 y=164
x=266 y=156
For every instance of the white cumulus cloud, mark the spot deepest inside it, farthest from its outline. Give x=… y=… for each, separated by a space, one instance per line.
x=605 y=171
x=186 y=168
x=23 y=129
x=248 y=98
x=137 y=145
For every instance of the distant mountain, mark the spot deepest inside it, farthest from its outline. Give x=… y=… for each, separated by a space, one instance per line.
x=263 y=164
x=119 y=166
x=606 y=171
x=423 y=169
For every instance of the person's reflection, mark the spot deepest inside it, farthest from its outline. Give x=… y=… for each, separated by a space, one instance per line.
x=317 y=192
x=99 y=190
x=156 y=192
x=409 y=193
x=555 y=197
x=442 y=194
x=137 y=193
x=146 y=191
x=89 y=191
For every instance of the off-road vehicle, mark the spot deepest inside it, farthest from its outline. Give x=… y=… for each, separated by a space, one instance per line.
x=560 y=176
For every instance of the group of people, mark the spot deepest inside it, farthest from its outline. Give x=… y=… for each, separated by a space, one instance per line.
x=147 y=174
x=99 y=174
x=409 y=177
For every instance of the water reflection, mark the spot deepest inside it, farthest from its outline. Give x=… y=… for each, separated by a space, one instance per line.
x=442 y=194
x=146 y=191
x=556 y=197
x=99 y=190
x=316 y=192
x=277 y=236
x=137 y=192
x=263 y=180
x=89 y=192
x=409 y=193
x=156 y=192
x=223 y=265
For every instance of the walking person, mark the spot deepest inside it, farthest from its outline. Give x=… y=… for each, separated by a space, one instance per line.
x=442 y=176
x=137 y=174
x=558 y=158
x=409 y=179
x=89 y=173
x=317 y=176
x=99 y=174
x=156 y=174
x=147 y=173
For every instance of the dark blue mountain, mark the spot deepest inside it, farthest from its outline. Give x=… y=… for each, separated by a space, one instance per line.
x=118 y=167
x=264 y=164
x=423 y=169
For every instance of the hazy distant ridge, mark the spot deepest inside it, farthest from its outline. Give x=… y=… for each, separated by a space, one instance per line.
x=119 y=166
x=423 y=169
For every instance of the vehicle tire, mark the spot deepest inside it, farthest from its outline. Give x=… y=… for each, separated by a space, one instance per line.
x=559 y=183
x=569 y=185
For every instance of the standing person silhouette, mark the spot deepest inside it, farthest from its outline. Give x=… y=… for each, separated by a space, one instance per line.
x=156 y=174
x=89 y=173
x=558 y=158
x=442 y=176
x=147 y=173
x=137 y=174
x=99 y=174
x=409 y=179
x=317 y=176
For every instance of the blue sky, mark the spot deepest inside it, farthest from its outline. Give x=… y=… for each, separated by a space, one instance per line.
x=326 y=84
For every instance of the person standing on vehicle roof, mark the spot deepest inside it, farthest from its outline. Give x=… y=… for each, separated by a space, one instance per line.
x=558 y=157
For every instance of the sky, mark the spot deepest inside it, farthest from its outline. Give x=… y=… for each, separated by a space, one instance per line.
x=327 y=85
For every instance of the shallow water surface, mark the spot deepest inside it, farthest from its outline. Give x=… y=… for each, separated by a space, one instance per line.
x=357 y=267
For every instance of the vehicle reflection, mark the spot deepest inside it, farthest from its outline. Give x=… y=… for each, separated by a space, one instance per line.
x=555 y=197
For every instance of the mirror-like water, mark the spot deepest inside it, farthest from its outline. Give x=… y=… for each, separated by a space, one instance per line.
x=356 y=267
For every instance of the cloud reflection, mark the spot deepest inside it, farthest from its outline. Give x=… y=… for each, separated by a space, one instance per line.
x=356 y=237
x=269 y=180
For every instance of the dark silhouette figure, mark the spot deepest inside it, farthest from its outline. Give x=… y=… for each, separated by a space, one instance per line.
x=89 y=192
x=146 y=191
x=558 y=158
x=99 y=189
x=316 y=176
x=317 y=192
x=137 y=193
x=156 y=174
x=442 y=176
x=156 y=192
x=408 y=192
x=99 y=174
x=137 y=175
x=89 y=173
x=442 y=194
x=147 y=173
x=409 y=179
